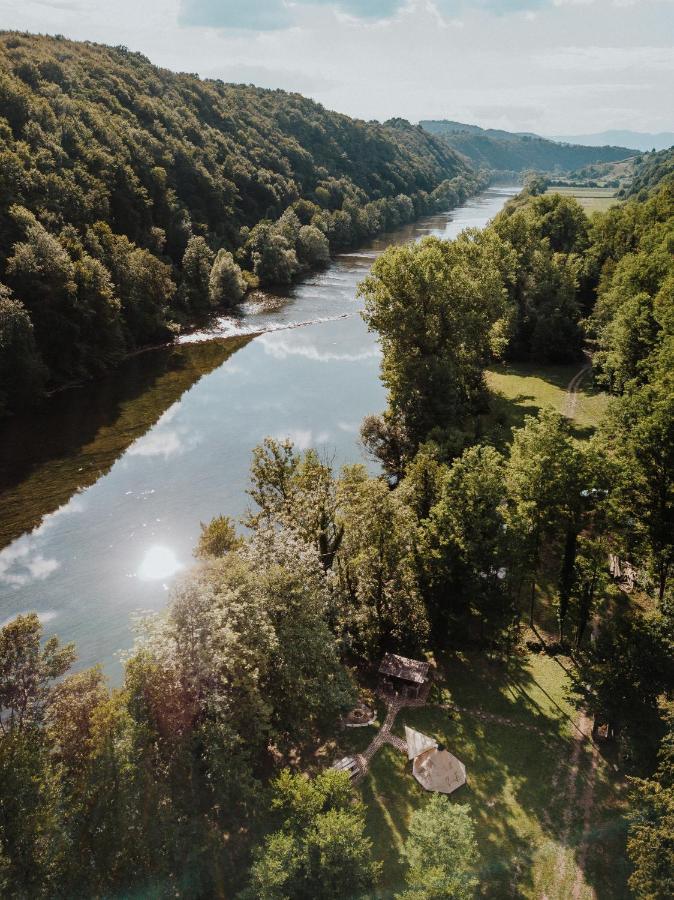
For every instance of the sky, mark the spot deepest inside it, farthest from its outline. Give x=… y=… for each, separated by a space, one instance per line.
x=548 y=66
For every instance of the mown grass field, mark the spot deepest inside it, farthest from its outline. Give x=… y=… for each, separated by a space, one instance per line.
x=591 y=199
x=524 y=389
x=533 y=789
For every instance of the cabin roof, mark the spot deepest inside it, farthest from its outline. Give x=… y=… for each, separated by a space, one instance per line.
x=401 y=667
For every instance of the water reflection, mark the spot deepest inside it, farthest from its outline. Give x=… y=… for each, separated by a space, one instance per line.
x=48 y=457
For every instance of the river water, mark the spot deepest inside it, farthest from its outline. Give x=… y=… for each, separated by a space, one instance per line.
x=101 y=495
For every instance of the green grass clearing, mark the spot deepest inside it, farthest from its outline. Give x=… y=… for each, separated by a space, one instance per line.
x=526 y=799
x=591 y=199
x=524 y=389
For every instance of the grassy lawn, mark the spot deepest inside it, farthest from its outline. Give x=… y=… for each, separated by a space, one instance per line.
x=591 y=199
x=525 y=792
x=524 y=389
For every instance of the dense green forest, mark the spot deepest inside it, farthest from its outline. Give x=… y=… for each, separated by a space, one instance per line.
x=511 y=152
x=190 y=779
x=134 y=199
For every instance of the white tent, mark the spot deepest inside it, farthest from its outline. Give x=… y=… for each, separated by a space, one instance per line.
x=438 y=770
x=417 y=742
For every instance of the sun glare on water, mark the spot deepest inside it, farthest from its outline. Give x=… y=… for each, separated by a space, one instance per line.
x=159 y=562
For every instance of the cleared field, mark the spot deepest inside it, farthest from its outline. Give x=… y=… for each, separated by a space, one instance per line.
x=524 y=389
x=547 y=809
x=591 y=199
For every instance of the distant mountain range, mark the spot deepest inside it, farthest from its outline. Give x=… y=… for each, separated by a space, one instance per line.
x=511 y=151
x=639 y=140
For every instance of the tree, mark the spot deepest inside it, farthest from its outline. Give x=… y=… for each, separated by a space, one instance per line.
x=640 y=432
x=651 y=818
x=377 y=569
x=197 y=264
x=226 y=284
x=41 y=273
x=320 y=852
x=272 y=256
x=545 y=311
x=544 y=484
x=313 y=248
x=297 y=492
x=466 y=549
x=387 y=440
x=171 y=167
x=22 y=373
x=434 y=306
x=244 y=632
x=27 y=671
x=536 y=184
x=562 y=221
x=30 y=839
x=217 y=538
x=441 y=852
x=623 y=672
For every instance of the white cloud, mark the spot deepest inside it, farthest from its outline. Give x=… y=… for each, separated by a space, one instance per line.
x=304 y=438
x=46 y=616
x=280 y=349
x=22 y=563
x=163 y=441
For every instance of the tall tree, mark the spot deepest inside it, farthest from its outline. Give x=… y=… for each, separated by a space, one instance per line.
x=376 y=568
x=441 y=852
x=320 y=851
x=544 y=477
x=435 y=306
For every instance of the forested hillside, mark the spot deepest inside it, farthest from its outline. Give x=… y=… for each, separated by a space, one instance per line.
x=650 y=170
x=505 y=151
x=133 y=199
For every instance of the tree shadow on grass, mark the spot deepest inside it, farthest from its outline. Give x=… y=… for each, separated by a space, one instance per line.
x=525 y=786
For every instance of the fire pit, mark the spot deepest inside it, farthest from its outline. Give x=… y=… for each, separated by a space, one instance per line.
x=359 y=716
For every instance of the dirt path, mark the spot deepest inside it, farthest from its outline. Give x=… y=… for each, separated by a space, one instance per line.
x=572 y=388
x=579 y=793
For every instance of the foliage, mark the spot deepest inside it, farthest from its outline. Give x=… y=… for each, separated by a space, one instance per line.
x=217 y=538
x=22 y=373
x=622 y=674
x=435 y=306
x=548 y=233
x=466 y=548
x=652 y=170
x=226 y=284
x=320 y=850
x=297 y=492
x=441 y=852
x=197 y=264
x=26 y=672
x=376 y=567
x=651 y=828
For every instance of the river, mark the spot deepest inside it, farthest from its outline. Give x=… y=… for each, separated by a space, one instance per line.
x=103 y=492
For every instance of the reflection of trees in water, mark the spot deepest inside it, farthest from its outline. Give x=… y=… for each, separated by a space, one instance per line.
x=46 y=457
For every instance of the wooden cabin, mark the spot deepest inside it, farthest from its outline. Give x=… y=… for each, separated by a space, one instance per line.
x=403 y=676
